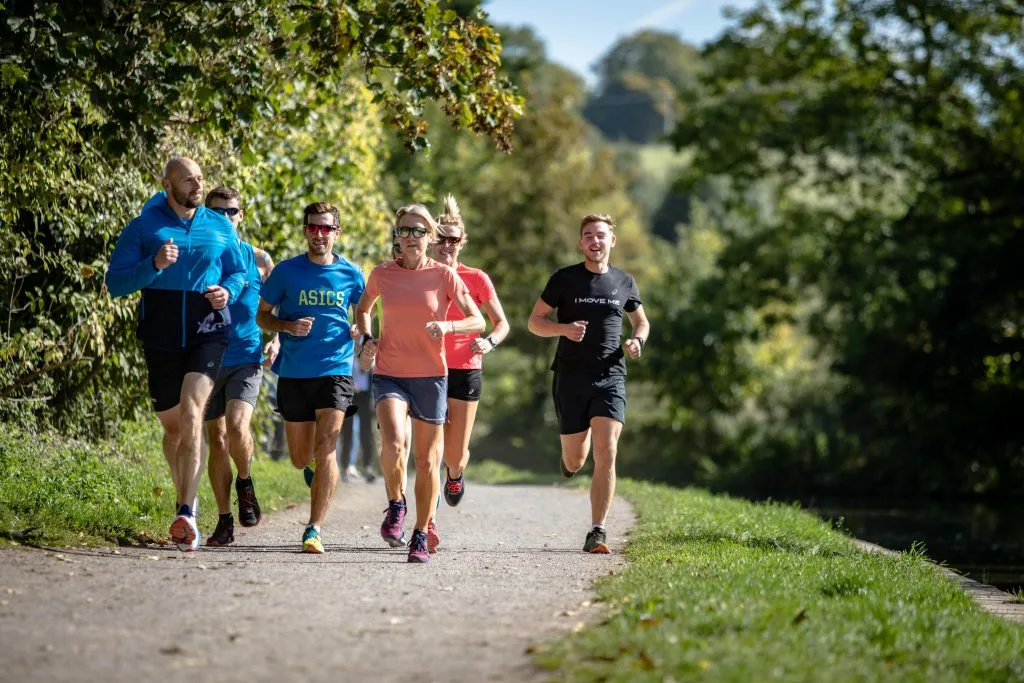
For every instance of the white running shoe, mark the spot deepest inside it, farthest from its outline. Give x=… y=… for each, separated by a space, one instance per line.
x=185 y=533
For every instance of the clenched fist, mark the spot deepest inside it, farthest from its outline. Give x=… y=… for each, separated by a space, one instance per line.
x=576 y=330
x=300 y=327
x=167 y=255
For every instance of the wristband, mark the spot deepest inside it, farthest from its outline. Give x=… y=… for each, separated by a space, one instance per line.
x=641 y=341
x=494 y=344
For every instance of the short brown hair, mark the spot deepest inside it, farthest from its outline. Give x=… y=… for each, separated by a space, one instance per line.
x=223 y=192
x=596 y=218
x=321 y=207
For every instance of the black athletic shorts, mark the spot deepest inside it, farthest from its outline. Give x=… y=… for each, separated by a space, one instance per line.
x=167 y=370
x=465 y=385
x=579 y=397
x=298 y=399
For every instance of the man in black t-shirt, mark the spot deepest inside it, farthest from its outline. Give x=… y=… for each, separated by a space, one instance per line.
x=589 y=385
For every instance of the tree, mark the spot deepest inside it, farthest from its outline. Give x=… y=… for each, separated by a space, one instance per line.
x=95 y=96
x=891 y=134
x=641 y=79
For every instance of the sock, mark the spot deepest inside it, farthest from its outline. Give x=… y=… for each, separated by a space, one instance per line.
x=239 y=480
x=599 y=527
x=227 y=516
x=184 y=510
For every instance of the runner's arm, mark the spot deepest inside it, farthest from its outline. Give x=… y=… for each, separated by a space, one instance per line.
x=131 y=268
x=500 y=327
x=541 y=325
x=363 y=323
x=638 y=321
x=265 y=264
x=641 y=328
x=232 y=269
x=473 y=322
x=266 y=319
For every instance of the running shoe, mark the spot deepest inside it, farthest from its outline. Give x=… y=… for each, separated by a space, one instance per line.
x=224 y=534
x=351 y=475
x=418 y=547
x=308 y=472
x=433 y=540
x=596 y=543
x=311 y=541
x=391 y=529
x=566 y=472
x=185 y=533
x=248 y=506
x=453 y=488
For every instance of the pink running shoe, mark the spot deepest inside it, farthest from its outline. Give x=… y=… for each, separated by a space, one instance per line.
x=391 y=529
x=418 y=547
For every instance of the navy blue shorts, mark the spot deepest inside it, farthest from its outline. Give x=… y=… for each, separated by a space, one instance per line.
x=427 y=397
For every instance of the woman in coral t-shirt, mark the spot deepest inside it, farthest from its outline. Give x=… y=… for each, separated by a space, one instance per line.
x=410 y=376
x=464 y=352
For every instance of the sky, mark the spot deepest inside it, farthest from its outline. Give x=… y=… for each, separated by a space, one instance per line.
x=578 y=32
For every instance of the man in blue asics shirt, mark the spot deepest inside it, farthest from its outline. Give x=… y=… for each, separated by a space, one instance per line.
x=312 y=294
x=229 y=410
x=187 y=262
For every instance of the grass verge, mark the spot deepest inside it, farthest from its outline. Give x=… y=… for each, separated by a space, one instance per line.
x=720 y=589
x=59 y=491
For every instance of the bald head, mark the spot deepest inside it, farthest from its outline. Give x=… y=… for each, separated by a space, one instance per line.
x=178 y=164
x=183 y=181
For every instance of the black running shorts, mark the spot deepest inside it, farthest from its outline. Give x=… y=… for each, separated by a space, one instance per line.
x=580 y=397
x=167 y=370
x=298 y=399
x=465 y=385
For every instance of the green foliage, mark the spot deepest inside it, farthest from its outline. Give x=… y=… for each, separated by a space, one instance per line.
x=725 y=590
x=282 y=101
x=641 y=79
x=883 y=139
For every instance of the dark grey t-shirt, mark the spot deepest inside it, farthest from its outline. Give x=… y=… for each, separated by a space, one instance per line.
x=599 y=298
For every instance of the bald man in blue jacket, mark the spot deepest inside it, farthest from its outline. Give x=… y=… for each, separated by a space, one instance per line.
x=186 y=261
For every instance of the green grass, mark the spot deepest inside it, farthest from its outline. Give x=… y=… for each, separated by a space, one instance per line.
x=70 y=492
x=719 y=589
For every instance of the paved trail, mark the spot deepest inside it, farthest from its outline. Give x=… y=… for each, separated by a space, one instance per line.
x=509 y=574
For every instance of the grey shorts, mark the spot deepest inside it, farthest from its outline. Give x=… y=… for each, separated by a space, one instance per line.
x=235 y=382
x=427 y=396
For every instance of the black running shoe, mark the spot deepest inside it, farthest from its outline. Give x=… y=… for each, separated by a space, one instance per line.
x=566 y=472
x=248 y=506
x=596 y=543
x=453 y=488
x=224 y=534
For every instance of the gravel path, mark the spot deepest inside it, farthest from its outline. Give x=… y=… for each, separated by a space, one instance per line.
x=509 y=573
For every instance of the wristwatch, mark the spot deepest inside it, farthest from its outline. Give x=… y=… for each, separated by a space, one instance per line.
x=494 y=344
x=641 y=341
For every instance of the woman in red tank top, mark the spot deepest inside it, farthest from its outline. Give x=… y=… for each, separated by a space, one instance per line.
x=464 y=352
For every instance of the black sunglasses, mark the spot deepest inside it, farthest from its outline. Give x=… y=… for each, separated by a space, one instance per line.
x=407 y=232
x=454 y=241
x=233 y=211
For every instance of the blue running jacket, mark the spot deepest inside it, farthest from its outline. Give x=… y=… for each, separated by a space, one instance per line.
x=173 y=311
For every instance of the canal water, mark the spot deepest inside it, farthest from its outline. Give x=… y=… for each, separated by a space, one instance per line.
x=984 y=542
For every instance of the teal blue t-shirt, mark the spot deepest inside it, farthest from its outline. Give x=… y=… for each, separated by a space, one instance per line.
x=245 y=341
x=300 y=288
